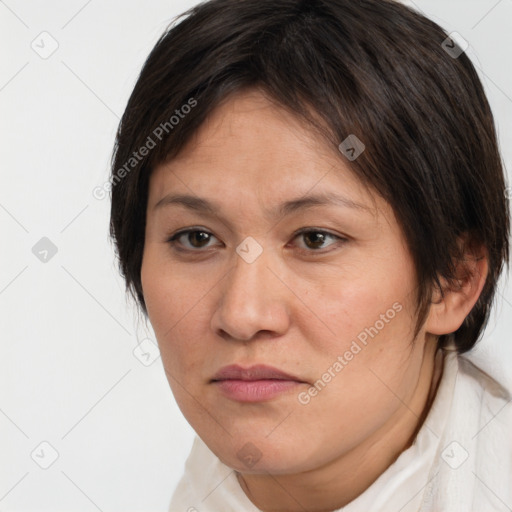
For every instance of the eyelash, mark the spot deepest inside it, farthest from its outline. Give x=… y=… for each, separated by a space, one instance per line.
x=173 y=240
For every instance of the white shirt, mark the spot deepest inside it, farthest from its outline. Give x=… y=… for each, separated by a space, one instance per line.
x=460 y=460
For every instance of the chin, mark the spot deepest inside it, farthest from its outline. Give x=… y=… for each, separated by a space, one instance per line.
x=261 y=454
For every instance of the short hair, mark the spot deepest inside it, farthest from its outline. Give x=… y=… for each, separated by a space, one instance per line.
x=372 y=68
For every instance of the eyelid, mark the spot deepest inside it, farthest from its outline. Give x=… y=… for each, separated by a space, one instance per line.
x=312 y=229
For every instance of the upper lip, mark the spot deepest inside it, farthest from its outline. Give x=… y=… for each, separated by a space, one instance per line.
x=256 y=372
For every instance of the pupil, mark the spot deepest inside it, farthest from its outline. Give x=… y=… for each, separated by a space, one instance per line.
x=318 y=238
x=198 y=236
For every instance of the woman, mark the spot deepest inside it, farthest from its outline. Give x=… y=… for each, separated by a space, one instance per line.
x=309 y=205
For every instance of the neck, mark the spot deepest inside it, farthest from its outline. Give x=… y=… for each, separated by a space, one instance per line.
x=342 y=480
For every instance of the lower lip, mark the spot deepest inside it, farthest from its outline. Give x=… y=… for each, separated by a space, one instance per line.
x=255 y=390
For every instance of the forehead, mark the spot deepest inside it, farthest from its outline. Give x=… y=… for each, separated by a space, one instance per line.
x=254 y=147
x=248 y=125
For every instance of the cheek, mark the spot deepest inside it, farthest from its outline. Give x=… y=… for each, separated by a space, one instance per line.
x=356 y=308
x=165 y=291
x=371 y=322
x=177 y=309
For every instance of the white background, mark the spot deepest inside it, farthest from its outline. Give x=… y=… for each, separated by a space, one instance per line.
x=69 y=376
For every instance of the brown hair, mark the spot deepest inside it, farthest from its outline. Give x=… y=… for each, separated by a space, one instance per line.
x=372 y=68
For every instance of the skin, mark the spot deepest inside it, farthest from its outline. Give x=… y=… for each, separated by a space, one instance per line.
x=297 y=307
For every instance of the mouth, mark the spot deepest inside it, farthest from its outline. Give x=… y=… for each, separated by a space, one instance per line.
x=254 y=384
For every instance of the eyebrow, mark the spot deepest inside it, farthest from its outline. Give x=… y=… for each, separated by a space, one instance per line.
x=282 y=210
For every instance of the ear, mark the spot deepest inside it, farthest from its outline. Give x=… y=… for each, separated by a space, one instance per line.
x=449 y=311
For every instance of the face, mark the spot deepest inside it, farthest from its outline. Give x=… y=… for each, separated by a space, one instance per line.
x=282 y=258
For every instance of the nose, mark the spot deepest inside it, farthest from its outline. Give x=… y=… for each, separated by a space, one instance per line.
x=251 y=300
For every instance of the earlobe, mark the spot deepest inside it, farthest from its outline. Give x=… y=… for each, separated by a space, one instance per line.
x=449 y=309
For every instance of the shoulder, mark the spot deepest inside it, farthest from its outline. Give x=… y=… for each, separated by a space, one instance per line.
x=473 y=465
x=493 y=395
x=488 y=406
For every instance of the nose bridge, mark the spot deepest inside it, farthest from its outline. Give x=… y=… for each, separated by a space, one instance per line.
x=251 y=300
x=247 y=282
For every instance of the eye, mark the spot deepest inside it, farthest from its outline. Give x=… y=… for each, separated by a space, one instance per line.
x=193 y=240
x=315 y=239
x=196 y=238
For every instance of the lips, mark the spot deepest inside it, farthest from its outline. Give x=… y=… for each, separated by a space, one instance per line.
x=258 y=383
x=253 y=373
